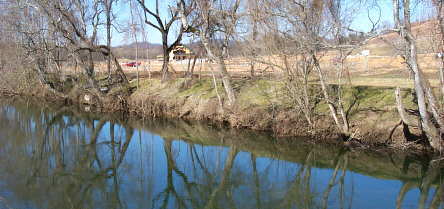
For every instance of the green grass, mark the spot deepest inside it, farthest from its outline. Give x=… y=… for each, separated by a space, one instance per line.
x=368 y=98
x=259 y=93
x=265 y=93
x=203 y=88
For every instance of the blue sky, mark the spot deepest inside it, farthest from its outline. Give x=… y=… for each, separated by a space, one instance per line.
x=124 y=18
x=383 y=8
x=382 y=11
x=360 y=17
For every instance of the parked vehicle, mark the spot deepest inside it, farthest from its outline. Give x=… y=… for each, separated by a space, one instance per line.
x=131 y=64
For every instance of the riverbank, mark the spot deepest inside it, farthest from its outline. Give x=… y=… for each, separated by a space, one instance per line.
x=265 y=105
x=262 y=105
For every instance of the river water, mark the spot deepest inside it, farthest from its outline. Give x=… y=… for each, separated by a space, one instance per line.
x=67 y=158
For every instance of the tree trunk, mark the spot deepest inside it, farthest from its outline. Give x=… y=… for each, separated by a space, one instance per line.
x=252 y=69
x=331 y=106
x=190 y=70
x=254 y=35
x=221 y=68
x=405 y=122
x=119 y=70
x=89 y=70
x=422 y=88
x=226 y=80
x=441 y=47
x=401 y=109
x=441 y=75
x=433 y=103
x=108 y=35
x=429 y=128
x=166 y=60
x=166 y=56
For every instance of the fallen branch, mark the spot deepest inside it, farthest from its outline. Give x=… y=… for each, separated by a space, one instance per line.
x=389 y=139
x=6 y=92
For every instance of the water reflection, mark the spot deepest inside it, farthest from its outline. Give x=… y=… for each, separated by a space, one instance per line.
x=69 y=159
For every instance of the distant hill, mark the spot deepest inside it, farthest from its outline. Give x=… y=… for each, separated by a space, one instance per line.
x=142 y=45
x=425 y=32
x=146 y=49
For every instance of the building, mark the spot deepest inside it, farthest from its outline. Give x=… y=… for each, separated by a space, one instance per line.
x=181 y=52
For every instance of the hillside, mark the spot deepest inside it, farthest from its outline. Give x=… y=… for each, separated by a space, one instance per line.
x=425 y=32
x=147 y=50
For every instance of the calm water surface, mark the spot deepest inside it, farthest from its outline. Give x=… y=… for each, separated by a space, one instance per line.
x=65 y=158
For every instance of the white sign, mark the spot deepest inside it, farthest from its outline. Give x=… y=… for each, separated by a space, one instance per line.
x=365 y=52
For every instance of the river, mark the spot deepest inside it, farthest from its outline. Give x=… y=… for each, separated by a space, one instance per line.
x=68 y=158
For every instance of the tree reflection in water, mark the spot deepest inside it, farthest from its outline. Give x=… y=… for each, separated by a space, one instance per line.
x=68 y=159
x=430 y=184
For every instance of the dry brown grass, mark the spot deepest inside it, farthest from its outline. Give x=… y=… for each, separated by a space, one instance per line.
x=382 y=68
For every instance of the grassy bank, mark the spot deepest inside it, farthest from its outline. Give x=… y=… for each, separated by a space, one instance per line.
x=264 y=105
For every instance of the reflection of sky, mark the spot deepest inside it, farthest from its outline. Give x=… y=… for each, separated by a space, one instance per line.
x=142 y=176
x=275 y=176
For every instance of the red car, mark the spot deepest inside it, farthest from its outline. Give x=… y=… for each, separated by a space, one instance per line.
x=131 y=64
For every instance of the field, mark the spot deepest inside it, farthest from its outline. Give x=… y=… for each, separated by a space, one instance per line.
x=360 y=70
x=382 y=67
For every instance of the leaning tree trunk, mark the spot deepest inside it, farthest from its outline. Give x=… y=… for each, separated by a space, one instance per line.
x=333 y=110
x=441 y=73
x=119 y=70
x=425 y=98
x=226 y=79
x=429 y=128
x=432 y=132
x=221 y=68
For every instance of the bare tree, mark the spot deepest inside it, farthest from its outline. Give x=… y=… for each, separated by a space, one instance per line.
x=301 y=33
x=13 y=66
x=215 y=23
x=286 y=43
x=165 y=28
x=134 y=32
x=253 y=8
x=108 y=11
x=144 y=33
x=74 y=26
x=334 y=18
x=431 y=122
